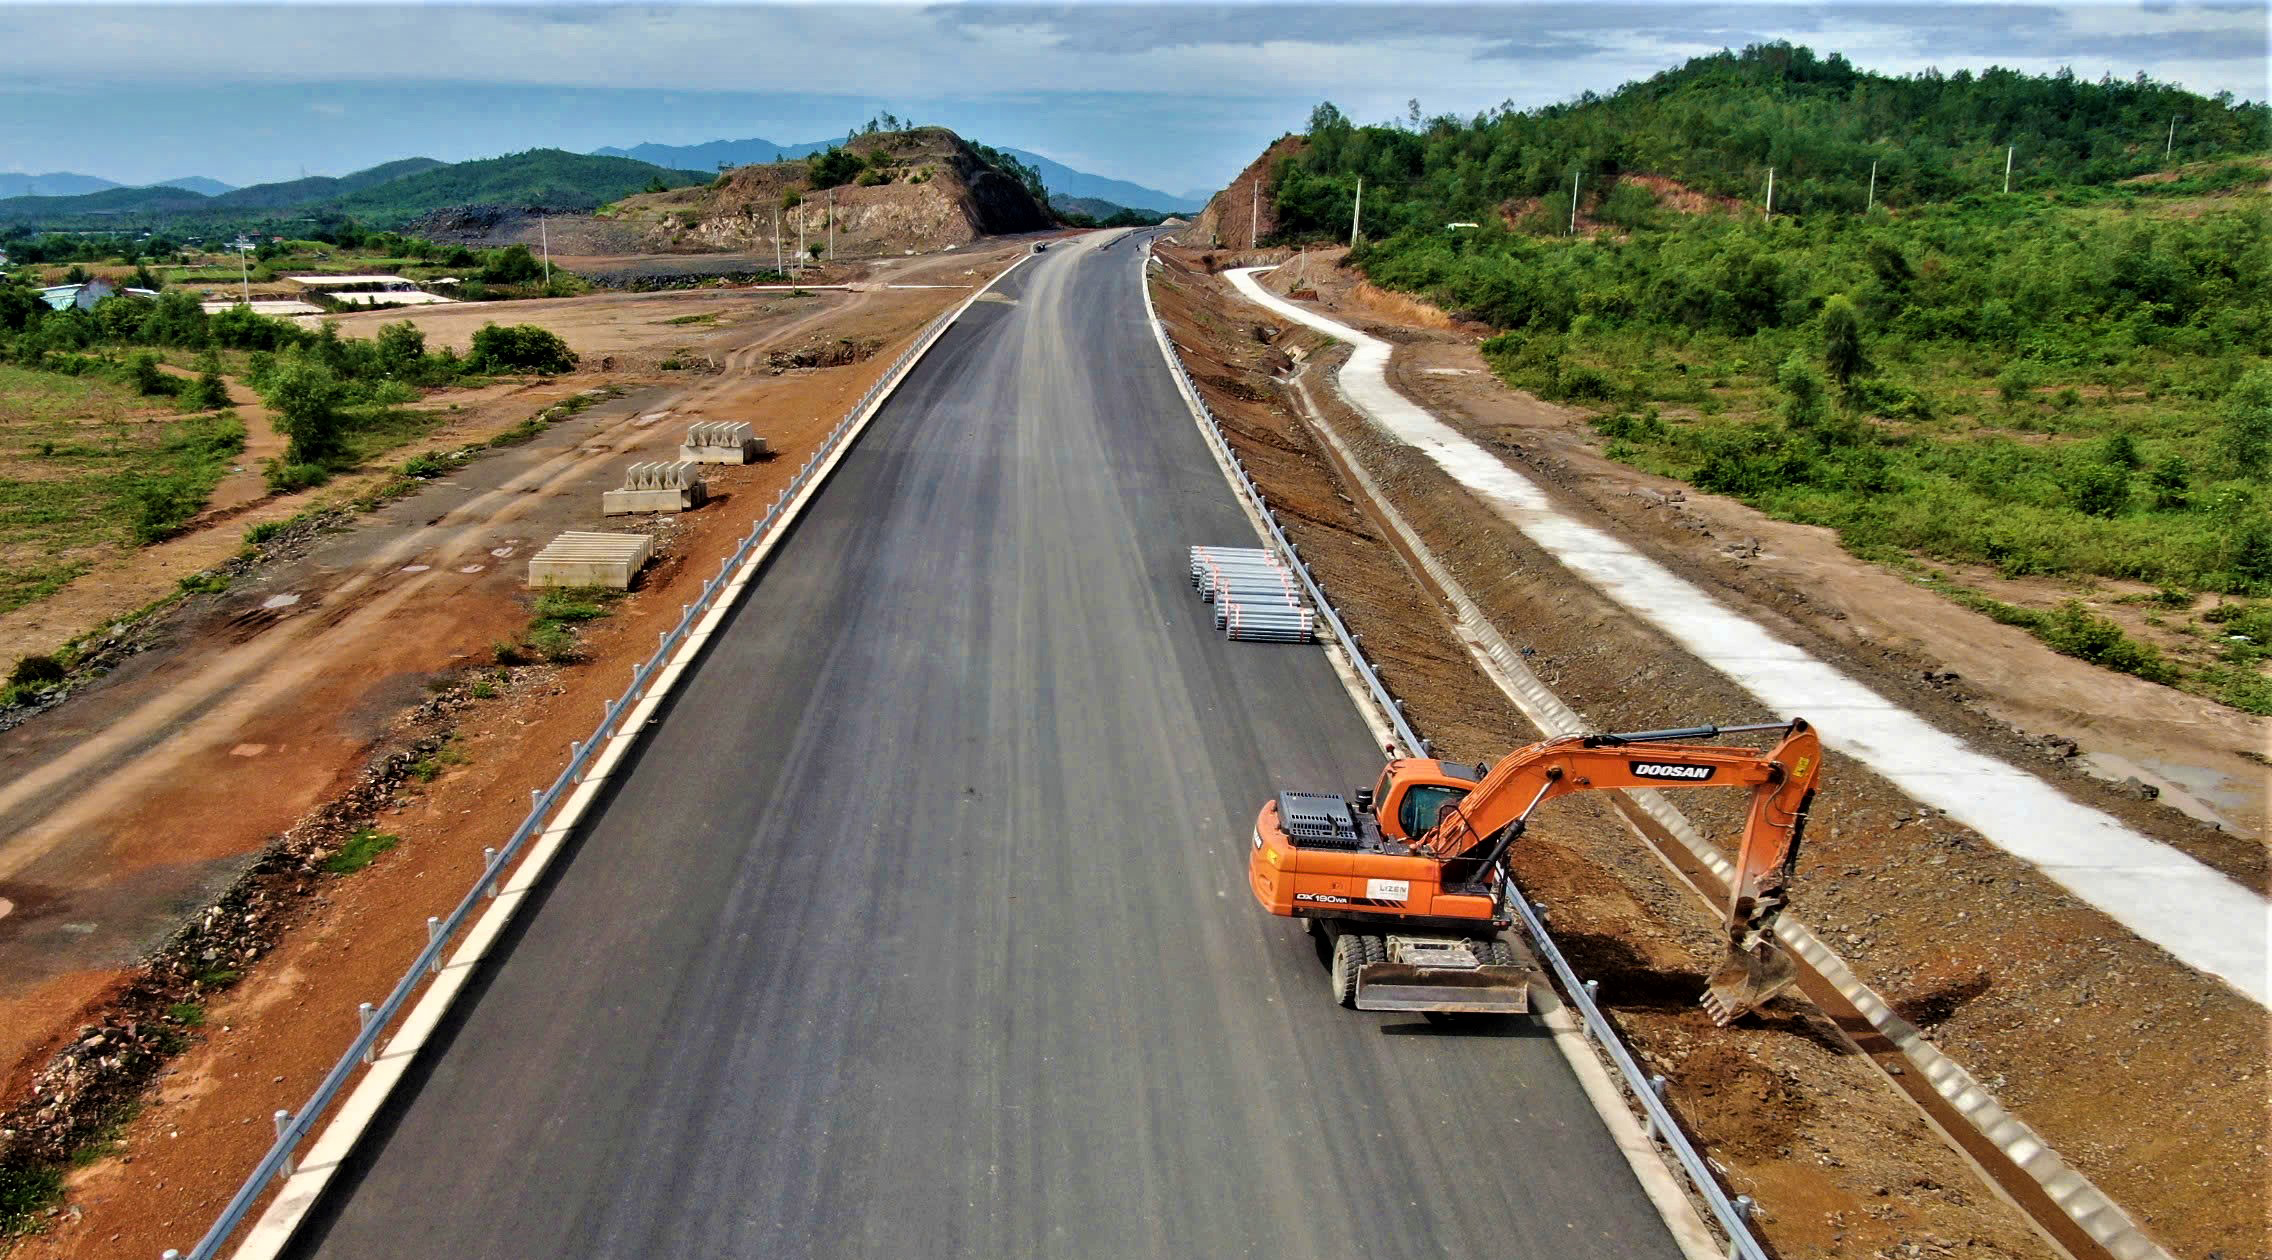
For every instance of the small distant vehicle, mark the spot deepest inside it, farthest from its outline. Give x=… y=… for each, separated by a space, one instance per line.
x=1041 y=247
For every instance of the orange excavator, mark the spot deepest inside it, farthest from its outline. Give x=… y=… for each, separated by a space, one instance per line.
x=1409 y=882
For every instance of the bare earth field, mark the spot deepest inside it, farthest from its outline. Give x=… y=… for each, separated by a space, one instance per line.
x=153 y=789
x=2074 y=1023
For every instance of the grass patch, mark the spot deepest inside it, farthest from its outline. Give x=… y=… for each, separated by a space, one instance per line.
x=551 y=634
x=360 y=850
x=24 y=1189
x=187 y=1014
x=88 y=470
x=706 y=317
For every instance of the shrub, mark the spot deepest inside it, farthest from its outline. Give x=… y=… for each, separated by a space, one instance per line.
x=1842 y=340
x=304 y=396
x=207 y=393
x=36 y=670
x=2103 y=491
x=148 y=380
x=2247 y=434
x=520 y=348
x=2171 y=482
x=2016 y=381
x=513 y=264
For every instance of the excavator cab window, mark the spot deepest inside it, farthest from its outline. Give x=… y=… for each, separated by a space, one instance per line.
x=1422 y=802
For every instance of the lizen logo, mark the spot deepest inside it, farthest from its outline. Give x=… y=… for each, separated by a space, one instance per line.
x=1670 y=770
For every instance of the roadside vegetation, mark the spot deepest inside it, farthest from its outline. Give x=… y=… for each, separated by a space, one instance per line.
x=2065 y=381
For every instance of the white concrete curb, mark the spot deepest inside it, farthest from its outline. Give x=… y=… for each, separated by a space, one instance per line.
x=269 y=1235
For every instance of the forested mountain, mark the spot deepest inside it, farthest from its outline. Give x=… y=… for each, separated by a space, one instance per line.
x=383 y=195
x=1718 y=123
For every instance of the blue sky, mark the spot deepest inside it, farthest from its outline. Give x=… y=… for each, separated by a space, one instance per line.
x=1176 y=96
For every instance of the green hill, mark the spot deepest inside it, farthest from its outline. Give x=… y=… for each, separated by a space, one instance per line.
x=552 y=178
x=1718 y=123
x=317 y=188
x=382 y=196
x=2064 y=381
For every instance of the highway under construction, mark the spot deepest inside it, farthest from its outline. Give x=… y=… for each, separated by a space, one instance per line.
x=920 y=925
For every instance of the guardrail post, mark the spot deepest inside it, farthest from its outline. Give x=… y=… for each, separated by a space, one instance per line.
x=433 y=934
x=364 y=1013
x=283 y=1121
x=489 y=864
x=1657 y=1085
x=576 y=751
x=1743 y=1207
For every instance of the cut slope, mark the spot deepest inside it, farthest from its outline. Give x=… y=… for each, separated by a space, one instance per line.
x=1244 y=211
x=913 y=190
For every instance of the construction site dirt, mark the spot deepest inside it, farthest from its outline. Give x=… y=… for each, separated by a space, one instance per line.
x=2148 y=1077
x=155 y=788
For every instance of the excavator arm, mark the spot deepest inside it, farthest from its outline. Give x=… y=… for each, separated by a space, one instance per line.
x=1476 y=830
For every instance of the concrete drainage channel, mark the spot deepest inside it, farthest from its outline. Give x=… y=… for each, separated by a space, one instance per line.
x=2062 y=1205
x=564 y=803
x=1641 y=1089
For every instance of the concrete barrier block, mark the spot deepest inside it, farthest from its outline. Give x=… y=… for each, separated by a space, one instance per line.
x=721 y=442
x=657 y=486
x=581 y=558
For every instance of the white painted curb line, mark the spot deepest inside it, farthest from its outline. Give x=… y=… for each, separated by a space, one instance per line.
x=1657 y=1179
x=269 y=1235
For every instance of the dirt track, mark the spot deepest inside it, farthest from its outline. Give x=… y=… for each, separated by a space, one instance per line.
x=2051 y=1004
x=152 y=788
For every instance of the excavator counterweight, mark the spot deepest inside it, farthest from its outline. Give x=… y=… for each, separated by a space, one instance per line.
x=1410 y=884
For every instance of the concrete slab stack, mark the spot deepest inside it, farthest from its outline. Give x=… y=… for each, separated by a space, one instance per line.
x=582 y=558
x=721 y=442
x=657 y=486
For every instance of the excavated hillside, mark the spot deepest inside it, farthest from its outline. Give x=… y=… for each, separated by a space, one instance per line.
x=1242 y=211
x=914 y=191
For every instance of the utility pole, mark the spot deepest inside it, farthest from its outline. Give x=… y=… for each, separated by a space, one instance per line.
x=1770 y=192
x=2169 y=146
x=1573 y=203
x=1254 y=212
x=2008 y=166
x=777 y=242
x=800 y=238
x=544 y=233
x=1357 y=216
x=1873 y=198
x=244 y=261
x=832 y=225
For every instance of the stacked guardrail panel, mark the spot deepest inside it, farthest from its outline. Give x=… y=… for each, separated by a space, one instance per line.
x=1256 y=597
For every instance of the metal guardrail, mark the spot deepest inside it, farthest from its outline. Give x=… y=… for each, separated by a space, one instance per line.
x=292 y=1128
x=1647 y=1089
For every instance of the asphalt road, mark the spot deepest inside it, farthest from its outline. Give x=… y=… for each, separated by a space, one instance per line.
x=920 y=927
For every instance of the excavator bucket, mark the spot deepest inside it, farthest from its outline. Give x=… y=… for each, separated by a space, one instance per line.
x=1745 y=979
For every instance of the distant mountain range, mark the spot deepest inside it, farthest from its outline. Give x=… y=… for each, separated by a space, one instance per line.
x=1062 y=180
x=70 y=184
x=384 y=195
